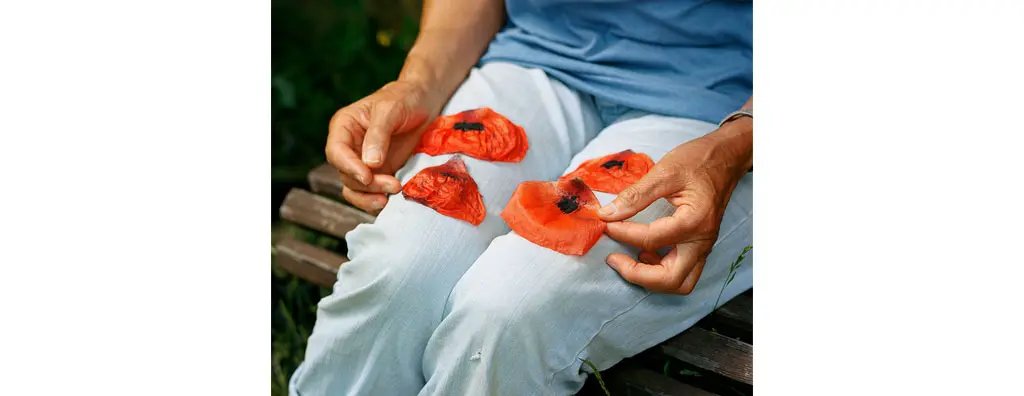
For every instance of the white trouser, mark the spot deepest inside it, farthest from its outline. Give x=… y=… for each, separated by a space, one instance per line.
x=433 y=305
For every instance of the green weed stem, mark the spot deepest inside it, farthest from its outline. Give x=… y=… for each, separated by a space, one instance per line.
x=597 y=374
x=732 y=274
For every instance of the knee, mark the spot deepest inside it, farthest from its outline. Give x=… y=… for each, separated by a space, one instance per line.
x=379 y=278
x=397 y=260
x=383 y=274
x=518 y=312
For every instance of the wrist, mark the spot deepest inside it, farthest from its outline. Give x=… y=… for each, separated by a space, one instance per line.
x=419 y=74
x=736 y=141
x=436 y=65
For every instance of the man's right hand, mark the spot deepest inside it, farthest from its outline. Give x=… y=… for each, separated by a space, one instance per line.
x=373 y=137
x=370 y=139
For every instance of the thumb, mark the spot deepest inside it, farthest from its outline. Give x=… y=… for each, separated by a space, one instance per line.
x=385 y=118
x=637 y=197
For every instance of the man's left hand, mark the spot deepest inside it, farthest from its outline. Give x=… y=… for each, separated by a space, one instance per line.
x=697 y=177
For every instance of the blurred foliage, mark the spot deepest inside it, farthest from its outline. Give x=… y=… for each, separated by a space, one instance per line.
x=325 y=55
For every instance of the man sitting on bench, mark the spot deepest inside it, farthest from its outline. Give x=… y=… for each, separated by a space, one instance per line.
x=434 y=305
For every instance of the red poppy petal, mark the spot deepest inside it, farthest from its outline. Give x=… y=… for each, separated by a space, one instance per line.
x=449 y=190
x=559 y=215
x=614 y=172
x=481 y=133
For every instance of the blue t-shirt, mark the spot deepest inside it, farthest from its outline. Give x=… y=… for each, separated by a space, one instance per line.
x=684 y=58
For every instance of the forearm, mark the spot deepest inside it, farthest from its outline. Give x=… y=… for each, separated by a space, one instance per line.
x=453 y=35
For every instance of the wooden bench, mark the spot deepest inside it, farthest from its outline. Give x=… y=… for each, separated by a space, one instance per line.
x=713 y=357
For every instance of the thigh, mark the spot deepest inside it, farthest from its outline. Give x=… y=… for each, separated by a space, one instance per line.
x=404 y=264
x=573 y=307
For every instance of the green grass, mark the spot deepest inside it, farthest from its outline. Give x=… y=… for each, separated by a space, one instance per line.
x=293 y=310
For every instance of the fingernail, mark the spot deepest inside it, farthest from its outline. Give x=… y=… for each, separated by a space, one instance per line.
x=365 y=179
x=607 y=210
x=372 y=156
x=394 y=188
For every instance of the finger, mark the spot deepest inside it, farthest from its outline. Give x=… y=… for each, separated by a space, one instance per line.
x=345 y=160
x=400 y=148
x=369 y=202
x=691 y=280
x=660 y=233
x=681 y=260
x=650 y=277
x=655 y=184
x=381 y=184
x=384 y=120
x=340 y=150
x=649 y=257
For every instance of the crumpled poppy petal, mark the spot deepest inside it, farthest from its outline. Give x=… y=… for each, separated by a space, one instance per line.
x=449 y=190
x=481 y=133
x=614 y=172
x=559 y=215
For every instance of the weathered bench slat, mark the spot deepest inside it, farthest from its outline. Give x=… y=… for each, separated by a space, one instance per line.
x=740 y=309
x=308 y=262
x=643 y=382
x=734 y=318
x=713 y=352
x=324 y=180
x=322 y=214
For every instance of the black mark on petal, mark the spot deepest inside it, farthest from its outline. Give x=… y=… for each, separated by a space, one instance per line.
x=469 y=126
x=612 y=164
x=568 y=204
x=451 y=175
